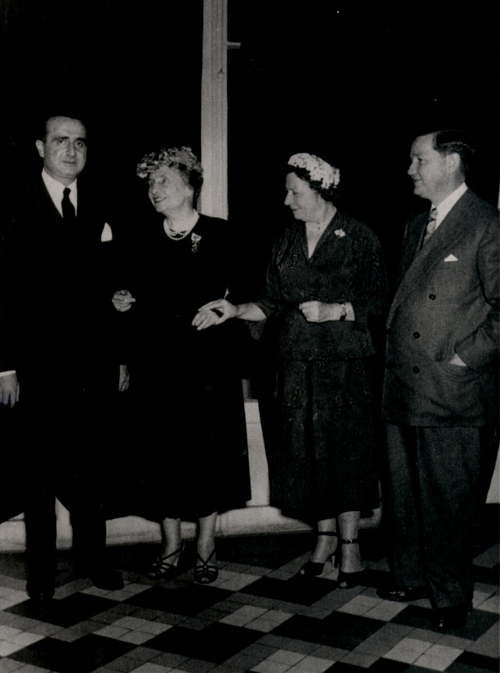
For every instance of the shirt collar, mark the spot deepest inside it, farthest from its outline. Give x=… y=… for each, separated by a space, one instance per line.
x=56 y=189
x=445 y=206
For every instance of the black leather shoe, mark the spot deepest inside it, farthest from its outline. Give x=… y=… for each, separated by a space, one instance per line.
x=106 y=578
x=402 y=595
x=41 y=595
x=453 y=617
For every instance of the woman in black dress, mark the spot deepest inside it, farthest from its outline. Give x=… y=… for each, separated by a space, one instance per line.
x=183 y=378
x=326 y=282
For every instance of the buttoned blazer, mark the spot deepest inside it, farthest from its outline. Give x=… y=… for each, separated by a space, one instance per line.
x=447 y=302
x=57 y=314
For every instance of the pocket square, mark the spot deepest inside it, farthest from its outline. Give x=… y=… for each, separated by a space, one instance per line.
x=107 y=234
x=451 y=258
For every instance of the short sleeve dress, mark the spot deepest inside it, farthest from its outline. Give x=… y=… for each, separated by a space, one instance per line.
x=324 y=460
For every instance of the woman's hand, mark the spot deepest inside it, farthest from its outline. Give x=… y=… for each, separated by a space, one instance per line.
x=319 y=311
x=122 y=300
x=214 y=313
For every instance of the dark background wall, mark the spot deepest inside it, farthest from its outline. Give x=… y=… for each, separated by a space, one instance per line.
x=132 y=70
x=355 y=81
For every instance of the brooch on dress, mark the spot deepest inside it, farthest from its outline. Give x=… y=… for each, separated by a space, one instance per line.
x=195 y=241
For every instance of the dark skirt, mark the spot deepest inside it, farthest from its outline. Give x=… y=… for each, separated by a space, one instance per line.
x=187 y=425
x=323 y=461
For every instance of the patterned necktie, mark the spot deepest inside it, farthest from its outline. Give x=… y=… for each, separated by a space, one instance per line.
x=68 y=209
x=431 y=224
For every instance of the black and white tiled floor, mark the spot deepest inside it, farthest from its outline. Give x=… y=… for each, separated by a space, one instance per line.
x=258 y=616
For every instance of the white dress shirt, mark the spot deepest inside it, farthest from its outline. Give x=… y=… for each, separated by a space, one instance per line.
x=56 y=189
x=445 y=206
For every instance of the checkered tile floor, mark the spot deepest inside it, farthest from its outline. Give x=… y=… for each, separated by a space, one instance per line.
x=258 y=616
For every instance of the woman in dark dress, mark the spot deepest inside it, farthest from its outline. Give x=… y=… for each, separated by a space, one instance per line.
x=326 y=281
x=189 y=392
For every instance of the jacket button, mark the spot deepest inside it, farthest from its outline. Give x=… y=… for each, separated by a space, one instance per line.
x=432 y=297
x=416 y=369
x=416 y=335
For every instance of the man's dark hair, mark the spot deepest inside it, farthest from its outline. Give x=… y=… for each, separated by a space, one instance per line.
x=41 y=129
x=451 y=141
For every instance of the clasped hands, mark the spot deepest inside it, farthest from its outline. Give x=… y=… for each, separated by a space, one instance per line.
x=320 y=311
x=122 y=300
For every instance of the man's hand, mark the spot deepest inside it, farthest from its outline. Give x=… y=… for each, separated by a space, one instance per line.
x=9 y=390
x=124 y=380
x=319 y=311
x=122 y=300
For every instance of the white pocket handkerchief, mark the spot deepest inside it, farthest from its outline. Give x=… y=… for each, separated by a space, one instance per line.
x=107 y=234
x=451 y=258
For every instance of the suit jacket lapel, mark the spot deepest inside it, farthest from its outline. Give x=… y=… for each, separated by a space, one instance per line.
x=419 y=262
x=46 y=200
x=413 y=243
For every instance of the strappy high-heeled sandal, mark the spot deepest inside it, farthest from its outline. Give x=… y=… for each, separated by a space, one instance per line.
x=349 y=580
x=314 y=569
x=161 y=569
x=205 y=573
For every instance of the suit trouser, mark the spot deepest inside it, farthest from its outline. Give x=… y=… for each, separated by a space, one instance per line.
x=432 y=494
x=69 y=464
x=76 y=493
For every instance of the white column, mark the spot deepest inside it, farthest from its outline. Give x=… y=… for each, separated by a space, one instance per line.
x=214 y=109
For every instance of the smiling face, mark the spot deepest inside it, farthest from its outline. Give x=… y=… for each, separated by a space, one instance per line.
x=432 y=173
x=64 y=149
x=305 y=204
x=168 y=192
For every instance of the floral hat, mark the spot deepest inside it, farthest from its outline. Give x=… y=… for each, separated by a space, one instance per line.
x=319 y=170
x=182 y=158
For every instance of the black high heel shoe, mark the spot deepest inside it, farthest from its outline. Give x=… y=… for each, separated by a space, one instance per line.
x=314 y=569
x=161 y=569
x=349 y=580
x=206 y=573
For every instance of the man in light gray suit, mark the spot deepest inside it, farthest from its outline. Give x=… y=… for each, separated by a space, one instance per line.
x=440 y=398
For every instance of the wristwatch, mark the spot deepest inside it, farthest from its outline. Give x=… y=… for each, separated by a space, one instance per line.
x=343 y=311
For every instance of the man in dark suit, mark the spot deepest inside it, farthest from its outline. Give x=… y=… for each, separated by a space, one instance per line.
x=440 y=397
x=59 y=350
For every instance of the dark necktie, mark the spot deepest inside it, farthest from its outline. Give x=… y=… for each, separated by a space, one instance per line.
x=68 y=209
x=431 y=225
